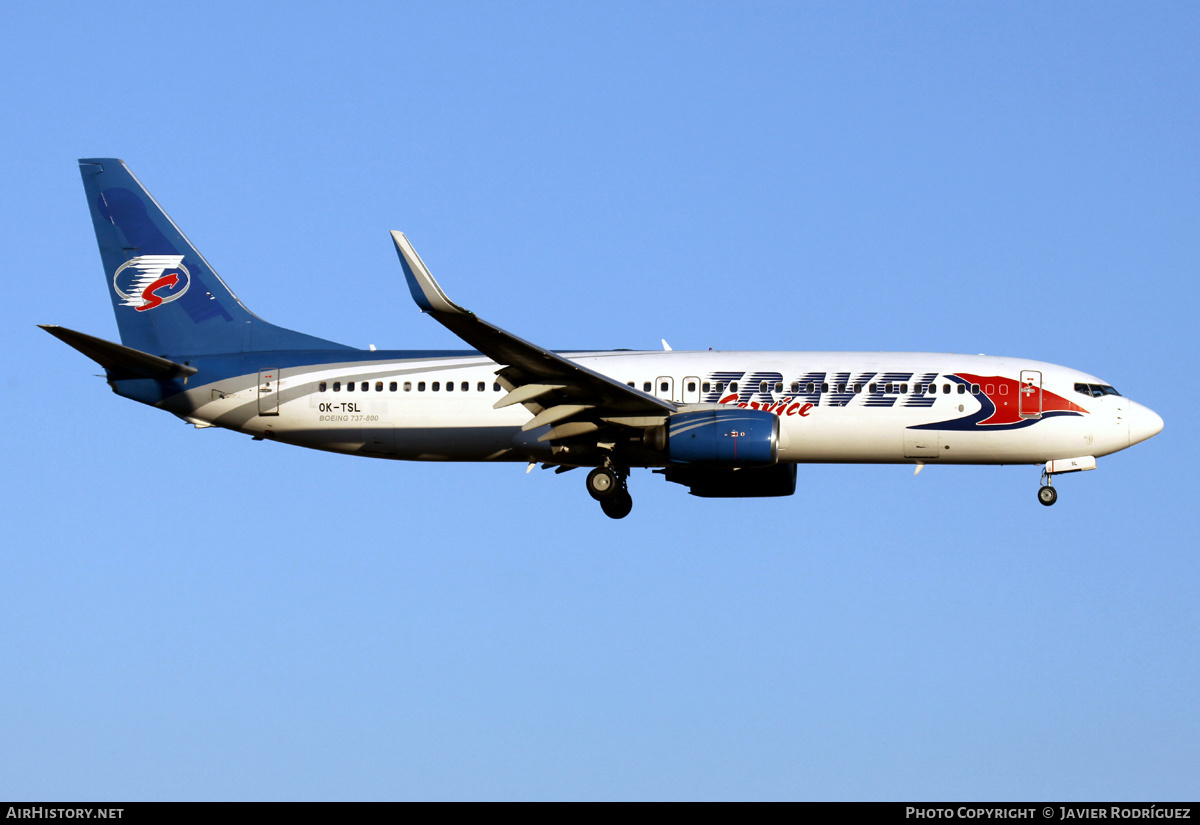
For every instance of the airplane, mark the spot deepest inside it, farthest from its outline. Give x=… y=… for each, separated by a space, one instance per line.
x=723 y=424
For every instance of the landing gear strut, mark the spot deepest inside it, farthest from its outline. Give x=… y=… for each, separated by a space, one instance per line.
x=607 y=486
x=1047 y=495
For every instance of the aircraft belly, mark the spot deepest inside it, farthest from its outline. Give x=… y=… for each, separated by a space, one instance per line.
x=870 y=436
x=840 y=435
x=411 y=444
x=455 y=443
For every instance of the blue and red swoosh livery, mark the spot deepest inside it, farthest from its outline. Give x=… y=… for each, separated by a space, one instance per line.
x=999 y=406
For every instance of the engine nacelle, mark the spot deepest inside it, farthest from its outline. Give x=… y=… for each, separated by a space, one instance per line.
x=726 y=437
x=719 y=482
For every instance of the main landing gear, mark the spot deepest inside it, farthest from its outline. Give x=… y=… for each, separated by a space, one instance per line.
x=607 y=486
x=1047 y=495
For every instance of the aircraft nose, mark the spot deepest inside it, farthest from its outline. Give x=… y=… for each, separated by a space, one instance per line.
x=1143 y=423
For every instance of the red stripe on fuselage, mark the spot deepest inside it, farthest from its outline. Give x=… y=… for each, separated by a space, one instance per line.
x=1005 y=394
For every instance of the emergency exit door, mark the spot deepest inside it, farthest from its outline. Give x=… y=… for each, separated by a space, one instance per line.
x=664 y=387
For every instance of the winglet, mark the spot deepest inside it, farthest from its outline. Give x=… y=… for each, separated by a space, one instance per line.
x=424 y=288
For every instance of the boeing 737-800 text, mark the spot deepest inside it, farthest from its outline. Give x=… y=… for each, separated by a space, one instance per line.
x=724 y=424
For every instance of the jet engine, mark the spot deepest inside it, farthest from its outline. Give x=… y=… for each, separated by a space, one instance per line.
x=725 y=437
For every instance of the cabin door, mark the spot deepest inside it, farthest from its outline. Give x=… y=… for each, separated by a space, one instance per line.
x=268 y=392
x=1029 y=394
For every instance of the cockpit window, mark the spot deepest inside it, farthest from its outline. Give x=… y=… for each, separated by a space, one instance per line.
x=1095 y=390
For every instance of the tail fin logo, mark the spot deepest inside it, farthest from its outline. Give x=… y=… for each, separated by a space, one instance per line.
x=149 y=281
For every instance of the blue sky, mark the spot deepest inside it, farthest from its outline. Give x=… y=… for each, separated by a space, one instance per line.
x=193 y=615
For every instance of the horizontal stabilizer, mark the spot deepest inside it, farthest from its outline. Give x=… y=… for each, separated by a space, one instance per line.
x=119 y=361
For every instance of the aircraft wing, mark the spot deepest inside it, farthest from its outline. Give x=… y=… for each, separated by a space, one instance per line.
x=575 y=399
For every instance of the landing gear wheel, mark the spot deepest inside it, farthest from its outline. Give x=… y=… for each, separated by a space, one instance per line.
x=618 y=505
x=603 y=483
x=1047 y=495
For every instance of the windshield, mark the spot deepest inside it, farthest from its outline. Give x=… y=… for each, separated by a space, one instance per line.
x=1095 y=390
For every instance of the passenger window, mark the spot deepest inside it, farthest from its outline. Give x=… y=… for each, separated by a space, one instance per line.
x=841 y=388
x=420 y=386
x=349 y=386
x=874 y=388
x=322 y=386
x=465 y=386
x=645 y=386
x=945 y=389
x=449 y=386
x=811 y=387
x=629 y=383
x=887 y=388
x=974 y=389
x=705 y=387
x=408 y=386
x=480 y=387
x=392 y=387
x=379 y=386
x=437 y=385
x=337 y=386
x=858 y=388
x=762 y=386
x=904 y=389
x=663 y=386
x=720 y=386
x=795 y=387
x=825 y=386
x=691 y=386
x=733 y=386
x=962 y=389
x=778 y=386
x=495 y=388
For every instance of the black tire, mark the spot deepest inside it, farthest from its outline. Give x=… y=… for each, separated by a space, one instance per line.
x=1047 y=495
x=617 y=506
x=603 y=483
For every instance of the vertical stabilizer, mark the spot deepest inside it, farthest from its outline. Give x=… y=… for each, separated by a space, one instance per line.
x=167 y=299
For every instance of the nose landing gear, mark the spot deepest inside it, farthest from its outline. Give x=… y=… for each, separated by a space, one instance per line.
x=1047 y=495
x=607 y=485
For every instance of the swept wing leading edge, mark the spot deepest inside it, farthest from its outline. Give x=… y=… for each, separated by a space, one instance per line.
x=536 y=377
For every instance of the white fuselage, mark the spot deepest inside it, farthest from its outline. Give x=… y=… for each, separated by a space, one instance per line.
x=400 y=407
